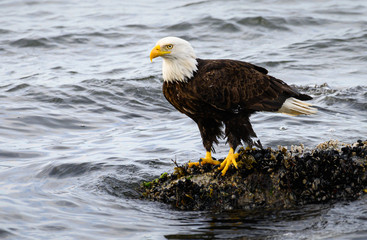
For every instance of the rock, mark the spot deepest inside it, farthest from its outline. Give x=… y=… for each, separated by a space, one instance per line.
x=268 y=179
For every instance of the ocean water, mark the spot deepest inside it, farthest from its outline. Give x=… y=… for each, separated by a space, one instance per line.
x=83 y=120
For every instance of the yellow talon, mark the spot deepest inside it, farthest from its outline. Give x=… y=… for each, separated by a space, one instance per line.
x=207 y=160
x=230 y=159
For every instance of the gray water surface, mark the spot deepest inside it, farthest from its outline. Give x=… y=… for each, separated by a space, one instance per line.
x=83 y=119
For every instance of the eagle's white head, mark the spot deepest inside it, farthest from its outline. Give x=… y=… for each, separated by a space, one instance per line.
x=179 y=59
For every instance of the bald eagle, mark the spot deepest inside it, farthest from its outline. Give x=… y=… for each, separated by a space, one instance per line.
x=225 y=92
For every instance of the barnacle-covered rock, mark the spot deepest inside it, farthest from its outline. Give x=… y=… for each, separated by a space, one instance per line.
x=268 y=178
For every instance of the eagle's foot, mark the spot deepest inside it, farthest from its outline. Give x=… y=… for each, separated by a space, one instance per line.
x=230 y=159
x=206 y=160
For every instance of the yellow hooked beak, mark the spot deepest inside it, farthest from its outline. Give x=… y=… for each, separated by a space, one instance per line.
x=157 y=52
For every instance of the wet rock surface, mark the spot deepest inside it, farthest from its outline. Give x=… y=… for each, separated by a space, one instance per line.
x=268 y=179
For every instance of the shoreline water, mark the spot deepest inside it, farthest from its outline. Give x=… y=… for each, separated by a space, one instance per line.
x=84 y=121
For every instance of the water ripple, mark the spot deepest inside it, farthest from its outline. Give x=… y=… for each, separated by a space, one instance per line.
x=269 y=23
x=29 y=42
x=18 y=87
x=355 y=98
x=56 y=122
x=4 y=233
x=84 y=121
x=20 y=155
x=69 y=169
x=183 y=26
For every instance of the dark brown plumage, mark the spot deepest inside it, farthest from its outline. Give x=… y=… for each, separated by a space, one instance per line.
x=228 y=92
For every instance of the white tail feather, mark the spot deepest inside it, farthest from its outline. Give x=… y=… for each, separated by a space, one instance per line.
x=293 y=106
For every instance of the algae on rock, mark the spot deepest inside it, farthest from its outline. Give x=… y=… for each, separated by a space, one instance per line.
x=268 y=179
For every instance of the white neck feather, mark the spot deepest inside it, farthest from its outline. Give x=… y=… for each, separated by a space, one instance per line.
x=178 y=69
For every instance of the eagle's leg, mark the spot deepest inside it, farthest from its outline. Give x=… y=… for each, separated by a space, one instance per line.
x=206 y=160
x=238 y=129
x=228 y=161
x=210 y=129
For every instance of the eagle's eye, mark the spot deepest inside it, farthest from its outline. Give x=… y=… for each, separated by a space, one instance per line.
x=169 y=46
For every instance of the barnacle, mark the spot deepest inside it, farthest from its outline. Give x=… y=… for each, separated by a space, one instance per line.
x=268 y=178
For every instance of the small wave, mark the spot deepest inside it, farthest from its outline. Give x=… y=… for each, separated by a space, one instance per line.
x=269 y=23
x=69 y=170
x=4 y=233
x=137 y=26
x=192 y=4
x=343 y=10
x=276 y=63
x=119 y=188
x=53 y=228
x=20 y=155
x=29 y=42
x=68 y=95
x=76 y=88
x=63 y=39
x=280 y=23
x=57 y=122
x=115 y=71
x=306 y=21
x=4 y=31
x=84 y=38
x=181 y=26
x=18 y=87
x=220 y=24
x=346 y=43
x=317 y=90
x=354 y=97
x=127 y=96
x=70 y=39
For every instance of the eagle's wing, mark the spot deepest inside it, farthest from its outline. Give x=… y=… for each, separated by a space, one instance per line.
x=235 y=85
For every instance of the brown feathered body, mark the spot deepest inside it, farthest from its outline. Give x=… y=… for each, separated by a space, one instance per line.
x=227 y=92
